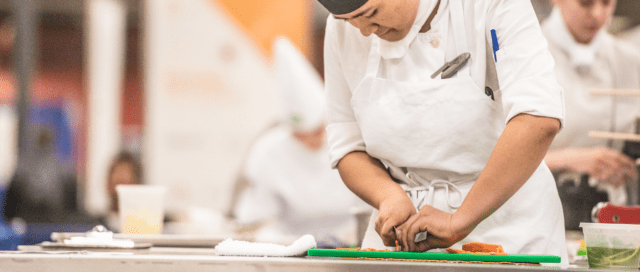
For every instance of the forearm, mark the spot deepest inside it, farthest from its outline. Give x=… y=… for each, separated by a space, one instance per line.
x=605 y=164
x=518 y=153
x=557 y=160
x=367 y=178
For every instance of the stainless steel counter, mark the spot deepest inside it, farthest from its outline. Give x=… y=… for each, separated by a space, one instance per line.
x=204 y=259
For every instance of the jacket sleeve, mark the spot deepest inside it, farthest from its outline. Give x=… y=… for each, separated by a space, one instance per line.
x=343 y=132
x=524 y=66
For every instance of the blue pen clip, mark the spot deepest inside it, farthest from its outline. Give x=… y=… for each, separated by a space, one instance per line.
x=496 y=47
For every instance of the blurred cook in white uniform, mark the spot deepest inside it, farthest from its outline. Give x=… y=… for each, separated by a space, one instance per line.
x=632 y=36
x=589 y=58
x=405 y=141
x=293 y=188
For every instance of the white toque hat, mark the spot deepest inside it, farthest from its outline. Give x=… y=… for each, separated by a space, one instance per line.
x=301 y=88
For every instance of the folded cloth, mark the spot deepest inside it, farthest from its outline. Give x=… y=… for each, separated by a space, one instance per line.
x=229 y=247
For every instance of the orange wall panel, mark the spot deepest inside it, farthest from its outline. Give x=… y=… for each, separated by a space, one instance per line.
x=263 y=21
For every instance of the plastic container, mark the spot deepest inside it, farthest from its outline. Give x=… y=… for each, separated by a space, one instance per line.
x=141 y=208
x=612 y=245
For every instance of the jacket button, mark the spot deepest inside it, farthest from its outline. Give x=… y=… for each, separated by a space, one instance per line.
x=435 y=43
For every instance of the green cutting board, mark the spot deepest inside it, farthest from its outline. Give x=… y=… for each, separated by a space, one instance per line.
x=435 y=256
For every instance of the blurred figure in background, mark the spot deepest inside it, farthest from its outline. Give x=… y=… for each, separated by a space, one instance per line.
x=632 y=36
x=293 y=190
x=125 y=169
x=42 y=190
x=588 y=58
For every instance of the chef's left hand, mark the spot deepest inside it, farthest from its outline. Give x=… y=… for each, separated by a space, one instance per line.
x=443 y=231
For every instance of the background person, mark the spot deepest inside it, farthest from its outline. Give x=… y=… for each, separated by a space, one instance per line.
x=293 y=190
x=125 y=169
x=589 y=58
x=42 y=189
x=632 y=36
x=43 y=193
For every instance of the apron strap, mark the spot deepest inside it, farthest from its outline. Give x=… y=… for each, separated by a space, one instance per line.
x=423 y=195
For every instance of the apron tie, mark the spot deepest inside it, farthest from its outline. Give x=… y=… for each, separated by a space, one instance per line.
x=419 y=194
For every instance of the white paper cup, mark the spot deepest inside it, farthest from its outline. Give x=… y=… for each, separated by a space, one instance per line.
x=141 y=208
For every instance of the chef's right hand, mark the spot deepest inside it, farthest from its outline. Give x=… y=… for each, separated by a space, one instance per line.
x=393 y=211
x=604 y=164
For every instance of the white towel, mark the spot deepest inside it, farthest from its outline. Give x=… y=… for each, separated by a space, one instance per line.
x=229 y=247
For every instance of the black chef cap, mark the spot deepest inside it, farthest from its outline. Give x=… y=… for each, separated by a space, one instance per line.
x=339 y=7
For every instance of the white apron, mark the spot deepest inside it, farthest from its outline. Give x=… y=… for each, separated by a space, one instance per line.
x=436 y=136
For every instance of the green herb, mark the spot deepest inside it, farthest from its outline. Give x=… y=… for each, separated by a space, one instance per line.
x=604 y=257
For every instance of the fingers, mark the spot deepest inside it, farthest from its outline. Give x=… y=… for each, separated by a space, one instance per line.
x=399 y=239
x=423 y=245
x=385 y=227
x=605 y=173
x=616 y=179
x=388 y=234
x=435 y=222
x=430 y=243
x=414 y=225
x=611 y=177
x=403 y=237
x=417 y=226
x=613 y=168
x=627 y=165
x=378 y=224
x=393 y=213
x=624 y=160
x=380 y=228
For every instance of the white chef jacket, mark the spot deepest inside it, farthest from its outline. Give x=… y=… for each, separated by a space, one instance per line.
x=527 y=85
x=297 y=188
x=524 y=66
x=632 y=36
x=616 y=66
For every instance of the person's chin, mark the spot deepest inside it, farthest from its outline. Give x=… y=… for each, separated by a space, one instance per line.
x=588 y=38
x=392 y=35
x=588 y=34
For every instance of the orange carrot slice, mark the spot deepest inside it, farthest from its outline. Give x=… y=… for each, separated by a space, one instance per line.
x=482 y=247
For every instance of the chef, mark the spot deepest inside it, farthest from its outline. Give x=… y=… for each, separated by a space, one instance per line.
x=633 y=36
x=456 y=153
x=293 y=190
x=589 y=58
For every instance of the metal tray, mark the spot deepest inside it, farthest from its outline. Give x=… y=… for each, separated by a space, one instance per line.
x=61 y=245
x=156 y=240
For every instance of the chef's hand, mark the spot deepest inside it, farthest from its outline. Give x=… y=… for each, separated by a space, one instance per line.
x=392 y=212
x=605 y=164
x=441 y=228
